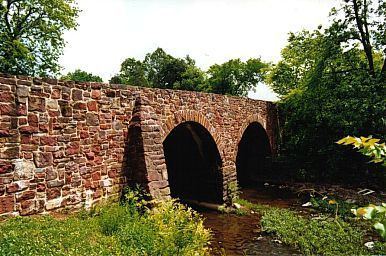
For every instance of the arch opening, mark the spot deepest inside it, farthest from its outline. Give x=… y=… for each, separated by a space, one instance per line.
x=253 y=161
x=193 y=163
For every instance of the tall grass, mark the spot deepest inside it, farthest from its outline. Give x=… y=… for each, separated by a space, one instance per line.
x=110 y=229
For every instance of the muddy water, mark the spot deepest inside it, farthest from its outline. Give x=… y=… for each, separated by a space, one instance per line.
x=241 y=235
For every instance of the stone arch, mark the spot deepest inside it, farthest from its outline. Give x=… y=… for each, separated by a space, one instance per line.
x=191 y=116
x=251 y=119
x=194 y=163
x=253 y=156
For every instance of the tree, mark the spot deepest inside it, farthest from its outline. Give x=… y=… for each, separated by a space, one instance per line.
x=236 y=77
x=363 y=21
x=82 y=76
x=330 y=87
x=133 y=73
x=161 y=70
x=31 y=35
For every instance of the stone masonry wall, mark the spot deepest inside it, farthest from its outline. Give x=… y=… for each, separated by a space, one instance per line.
x=67 y=145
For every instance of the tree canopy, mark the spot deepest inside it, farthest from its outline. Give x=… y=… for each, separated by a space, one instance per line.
x=162 y=70
x=81 y=76
x=31 y=35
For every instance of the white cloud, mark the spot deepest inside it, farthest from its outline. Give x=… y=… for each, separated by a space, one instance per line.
x=210 y=31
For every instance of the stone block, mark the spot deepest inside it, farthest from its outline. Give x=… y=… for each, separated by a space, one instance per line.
x=24 y=169
x=43 y=159
x=92 y=119
x=36 y=104
x=7 y=204
x=77 y=94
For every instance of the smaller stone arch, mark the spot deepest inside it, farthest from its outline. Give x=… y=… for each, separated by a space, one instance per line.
x=251 y=119
x=191 y=116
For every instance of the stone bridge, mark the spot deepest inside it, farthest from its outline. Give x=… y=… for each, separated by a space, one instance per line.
x=67 y=145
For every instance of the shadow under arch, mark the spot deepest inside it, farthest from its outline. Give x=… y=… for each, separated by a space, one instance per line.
x=253 y=160
x=193 y=163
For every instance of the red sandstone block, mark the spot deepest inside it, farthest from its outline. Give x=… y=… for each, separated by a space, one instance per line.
x=27 y=195
x=21 y=109
x=22 y=120
x=7 y=97
x=30 y=148
x=5 y=133
x=29 y=139
x=96 y=94
x=28 y=129
x=90 y=155
x=7 y=204
x=53 y=113
x=92 y=106
x=73 y=148
x=48 y=140
x=112 y=174
x=96 y=176
x=43 y=159
x=5 y=168
x=98 y=160
x=98 y=193
x=28 y=155
x=12 y=188
x=44 y=127
x=55 y=93
x=8 y=109
x=84 y=135
x=77 y=94
x=80 y=106
x=53 y=193
x=33 y=118
x=41 y=187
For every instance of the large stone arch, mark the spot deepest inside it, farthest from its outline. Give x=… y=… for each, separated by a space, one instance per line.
x=192 y=116
x=193 y=163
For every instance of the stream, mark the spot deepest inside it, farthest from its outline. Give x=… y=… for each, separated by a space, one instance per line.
x=241 y=235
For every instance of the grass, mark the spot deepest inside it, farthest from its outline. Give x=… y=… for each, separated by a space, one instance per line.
x=328 y=236
x=111 y=229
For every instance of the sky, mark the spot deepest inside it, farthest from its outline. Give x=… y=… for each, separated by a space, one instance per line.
x=209 y=31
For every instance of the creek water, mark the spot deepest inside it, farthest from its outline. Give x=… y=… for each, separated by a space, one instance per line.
x=241 y=235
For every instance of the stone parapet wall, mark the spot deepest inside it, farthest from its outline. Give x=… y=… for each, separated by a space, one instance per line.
x=66 y=144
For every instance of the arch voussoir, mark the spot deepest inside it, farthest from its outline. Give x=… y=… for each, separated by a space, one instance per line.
x=191 y=116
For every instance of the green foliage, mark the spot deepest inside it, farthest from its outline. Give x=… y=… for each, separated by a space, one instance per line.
x=377 y=214
x=368 y=147
x=236 y=77
x=329 y=90
x=82 y=76
x=333 y=206
x=233 y=192
x=31 y=35
x=179 y=230
x=314 y=237
x=110 y=229
x=136 y=199
x=371 y=148
x=161 y=70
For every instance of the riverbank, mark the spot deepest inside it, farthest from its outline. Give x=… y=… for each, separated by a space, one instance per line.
x=113 y=228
